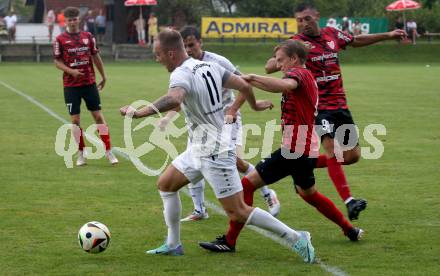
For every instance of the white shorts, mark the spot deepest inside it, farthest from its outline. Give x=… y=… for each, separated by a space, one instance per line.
x=221 y=173
x=238 y=131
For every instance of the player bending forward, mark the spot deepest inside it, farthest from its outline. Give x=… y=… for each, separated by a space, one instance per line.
x=196 y=86
x=193 y=46
x=297 y=155
x=323 y=61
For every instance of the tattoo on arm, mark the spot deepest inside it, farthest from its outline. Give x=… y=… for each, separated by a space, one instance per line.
x=166 y=103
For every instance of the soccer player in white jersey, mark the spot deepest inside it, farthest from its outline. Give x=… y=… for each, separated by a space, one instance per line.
x=193 y=46
x=195 y=85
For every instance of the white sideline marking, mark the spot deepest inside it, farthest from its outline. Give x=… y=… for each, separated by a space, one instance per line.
x=217 y=209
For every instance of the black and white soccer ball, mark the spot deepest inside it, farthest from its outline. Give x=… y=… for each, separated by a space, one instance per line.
x=94 y=237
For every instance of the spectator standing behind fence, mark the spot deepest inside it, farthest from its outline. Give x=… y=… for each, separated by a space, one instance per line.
x=152 y=29
x=61 y=21
x=90 y=22
x=100 y=26
x=357 y=28
x=411 y=27
x=50 y=21
x=331 y=22
x=399 y=23
x=11 y=23
x=345 y=25
x=140 y=29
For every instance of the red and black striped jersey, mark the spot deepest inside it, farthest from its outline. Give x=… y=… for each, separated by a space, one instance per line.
x=76 y=51
x=298 y=112
x=323 y=62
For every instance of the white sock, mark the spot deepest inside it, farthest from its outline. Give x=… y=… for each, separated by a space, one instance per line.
x=249 y=169
x=264 y=220
x=348 y=200
x=264 y=191
x=197 y=192
x=172 y=212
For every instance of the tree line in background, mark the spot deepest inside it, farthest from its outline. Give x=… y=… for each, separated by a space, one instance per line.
x=181 y=12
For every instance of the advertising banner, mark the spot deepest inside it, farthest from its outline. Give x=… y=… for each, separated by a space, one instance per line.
x=248 y=27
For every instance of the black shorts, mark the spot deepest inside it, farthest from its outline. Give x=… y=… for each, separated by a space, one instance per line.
x=101 y=30
x=73 y=96
x=277 y=167
x=339 y=125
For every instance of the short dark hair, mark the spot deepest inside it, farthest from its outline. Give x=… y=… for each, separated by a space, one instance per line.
x=70 y=12
x=170 y=40
x=305 y=6
x=190 y=31
x=293 y=47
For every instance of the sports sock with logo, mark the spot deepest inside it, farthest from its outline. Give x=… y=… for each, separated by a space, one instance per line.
x=235 y=227
x=79 y=138
x=105 y=135
x=326 y=207
x=264 y=220
x=321 y=161
x=336 y=173
x=172 y=212
x=197 y=192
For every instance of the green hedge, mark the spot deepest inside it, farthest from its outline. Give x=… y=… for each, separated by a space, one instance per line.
x=389 y=52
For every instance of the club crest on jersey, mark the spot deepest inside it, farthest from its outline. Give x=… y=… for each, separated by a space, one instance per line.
x=331 y=44
x=86 y=41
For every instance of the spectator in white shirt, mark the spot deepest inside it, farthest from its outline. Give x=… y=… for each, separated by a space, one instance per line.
x=11 y=22
x=50 y=21
x=411 y=26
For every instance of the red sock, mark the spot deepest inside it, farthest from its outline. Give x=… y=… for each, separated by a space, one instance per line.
x=79 y=137
x=322 y=161
x=105 y=135
x=233 y=232
x=336 y=173
x=326 y=207
x=248 y=191
x=234 y=226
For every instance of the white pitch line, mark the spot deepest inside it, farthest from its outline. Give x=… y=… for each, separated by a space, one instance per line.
x=217 y=209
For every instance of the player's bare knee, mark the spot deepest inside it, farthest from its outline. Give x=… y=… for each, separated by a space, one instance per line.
x=242 y=165
x=237 y=215
x=255 y=178
x=99 y=119
x=163 y=184
x=351 y=159
x=306 y=192
x=328 y=145
x=76 y=122
x=352 y=156
x=231 y=213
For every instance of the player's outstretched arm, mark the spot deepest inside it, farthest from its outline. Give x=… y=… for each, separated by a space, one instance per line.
x=271 y=66
x=260 y=105
x=237 y=83
x=163 y=122
x=165 y=103
x=100 y=66
x=271 y=84
x=246 y=94
x=368 y=39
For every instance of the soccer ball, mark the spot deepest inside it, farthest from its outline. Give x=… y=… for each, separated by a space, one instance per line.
x=94 y=237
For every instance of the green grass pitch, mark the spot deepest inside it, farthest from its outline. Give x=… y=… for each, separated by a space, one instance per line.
x=43 y=204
